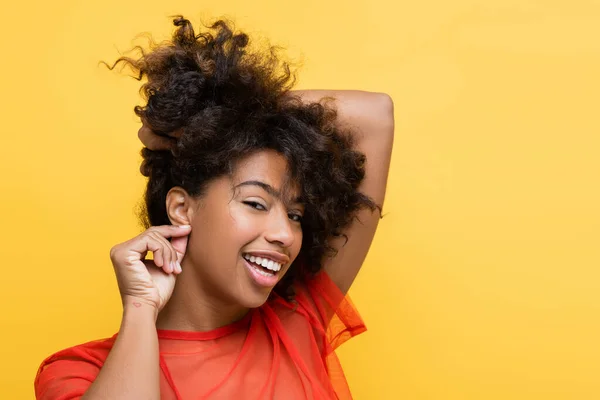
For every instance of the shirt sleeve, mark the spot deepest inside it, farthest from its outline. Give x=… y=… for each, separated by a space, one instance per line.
x=69 y=373
x=325 y=303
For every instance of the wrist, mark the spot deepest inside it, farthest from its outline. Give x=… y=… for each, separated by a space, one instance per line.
x=137 y=307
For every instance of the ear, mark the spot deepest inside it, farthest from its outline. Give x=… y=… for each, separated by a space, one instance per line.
x=180 y=206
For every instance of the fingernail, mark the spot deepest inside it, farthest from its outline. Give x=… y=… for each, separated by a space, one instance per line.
x=179 y=267
x=173 y=268
x=184 y=226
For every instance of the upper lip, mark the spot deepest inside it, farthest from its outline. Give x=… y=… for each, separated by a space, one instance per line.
x=271 y=255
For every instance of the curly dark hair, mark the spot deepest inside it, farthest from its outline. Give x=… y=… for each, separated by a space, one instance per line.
x=225 y=101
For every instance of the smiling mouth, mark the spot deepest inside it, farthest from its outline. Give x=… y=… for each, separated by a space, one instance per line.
x=263 y=265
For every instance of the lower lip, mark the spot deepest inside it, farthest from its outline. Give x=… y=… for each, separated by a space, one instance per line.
x=258 y=278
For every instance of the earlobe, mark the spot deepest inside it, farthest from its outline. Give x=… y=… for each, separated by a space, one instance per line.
x=179 y=204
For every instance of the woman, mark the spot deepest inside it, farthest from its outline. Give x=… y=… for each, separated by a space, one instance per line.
x=260 y=208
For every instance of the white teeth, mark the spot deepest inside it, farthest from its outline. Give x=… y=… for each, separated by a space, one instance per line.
x=265 y=262
x=262 y=272
x=274 y=266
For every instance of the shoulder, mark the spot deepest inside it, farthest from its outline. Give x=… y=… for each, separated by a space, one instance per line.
x=71 y=371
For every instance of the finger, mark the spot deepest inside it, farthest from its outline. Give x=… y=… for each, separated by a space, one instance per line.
x=175 y=265
x=168 y=263
x=176 y=262
x=142 y=244
x=171 y=231
x=179 y=239
x=157 y=248
x=149 y=264
x=180 y=246
x=172 y=256
x=153 y=141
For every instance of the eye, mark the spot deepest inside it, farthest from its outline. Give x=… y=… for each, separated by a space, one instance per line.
x=255 y=205
x=295 y=217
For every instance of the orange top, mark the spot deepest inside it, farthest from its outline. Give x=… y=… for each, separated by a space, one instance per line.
x=282 y=350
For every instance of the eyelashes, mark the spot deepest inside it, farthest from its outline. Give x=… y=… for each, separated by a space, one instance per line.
x=295 y=217
x=255 y=205
x=259 y=207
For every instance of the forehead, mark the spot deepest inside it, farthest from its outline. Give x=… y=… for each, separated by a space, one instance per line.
x=269 y=167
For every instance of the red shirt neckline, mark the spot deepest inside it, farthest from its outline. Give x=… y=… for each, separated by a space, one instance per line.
x=206 y=335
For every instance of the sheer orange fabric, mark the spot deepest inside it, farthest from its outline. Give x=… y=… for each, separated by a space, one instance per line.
x=282 y=350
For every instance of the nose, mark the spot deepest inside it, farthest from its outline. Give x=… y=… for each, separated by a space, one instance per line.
x=280 y=229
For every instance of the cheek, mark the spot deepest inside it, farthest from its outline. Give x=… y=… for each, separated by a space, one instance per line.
x=211 y=233
x=219 y=235
x=224 y=225
x=242 y=227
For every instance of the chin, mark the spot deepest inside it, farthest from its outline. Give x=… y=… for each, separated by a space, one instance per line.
x=254 y=300
x=256 y=288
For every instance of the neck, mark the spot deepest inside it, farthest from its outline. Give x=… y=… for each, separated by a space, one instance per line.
x=193 y=307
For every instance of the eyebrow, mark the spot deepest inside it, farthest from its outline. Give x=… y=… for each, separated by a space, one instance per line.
x=269 y=189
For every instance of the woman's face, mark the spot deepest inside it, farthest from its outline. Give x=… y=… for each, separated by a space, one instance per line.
x=249 y=218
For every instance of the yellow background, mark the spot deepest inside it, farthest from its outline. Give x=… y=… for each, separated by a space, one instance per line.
x=483 y=279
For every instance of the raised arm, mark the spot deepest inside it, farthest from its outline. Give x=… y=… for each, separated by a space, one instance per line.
x=371 y=118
